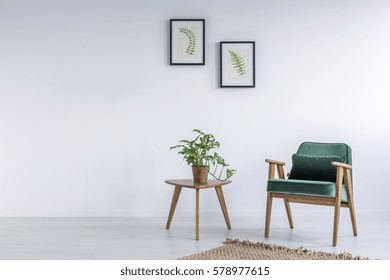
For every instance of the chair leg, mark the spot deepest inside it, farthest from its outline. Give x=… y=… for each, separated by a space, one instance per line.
x=353 y=217
x=288 y=210
x=336 y=223
x=339 y=186
x=351 y=204
x=268 y=214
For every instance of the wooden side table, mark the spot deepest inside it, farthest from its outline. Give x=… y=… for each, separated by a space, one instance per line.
x=179 y=184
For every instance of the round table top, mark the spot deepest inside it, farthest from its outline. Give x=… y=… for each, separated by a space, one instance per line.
x=188 y=183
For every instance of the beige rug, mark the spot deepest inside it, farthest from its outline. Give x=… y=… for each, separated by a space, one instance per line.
x=246 y=250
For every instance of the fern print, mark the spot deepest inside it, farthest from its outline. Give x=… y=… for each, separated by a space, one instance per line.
x=191 y=40
x=238 y=63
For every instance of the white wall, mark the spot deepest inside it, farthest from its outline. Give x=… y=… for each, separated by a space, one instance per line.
x=89 y=104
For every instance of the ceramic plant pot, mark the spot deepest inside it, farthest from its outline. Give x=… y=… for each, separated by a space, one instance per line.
x=200 y=174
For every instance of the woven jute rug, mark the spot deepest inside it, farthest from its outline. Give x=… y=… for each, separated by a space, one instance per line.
x=246 y=250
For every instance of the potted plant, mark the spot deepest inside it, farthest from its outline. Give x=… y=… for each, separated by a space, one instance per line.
x=198 y=153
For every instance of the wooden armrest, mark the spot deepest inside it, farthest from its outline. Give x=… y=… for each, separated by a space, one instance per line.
x=271 y=168
x=340 y=164
x=275 y=162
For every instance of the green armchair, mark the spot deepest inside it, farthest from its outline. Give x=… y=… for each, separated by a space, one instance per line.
x=321 y=174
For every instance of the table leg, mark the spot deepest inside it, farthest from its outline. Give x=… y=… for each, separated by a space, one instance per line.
x=175 y=198
x=221 y=199
x=197 y=216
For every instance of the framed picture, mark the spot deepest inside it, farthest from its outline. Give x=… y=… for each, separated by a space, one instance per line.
x=237 y=64
x=187 y=41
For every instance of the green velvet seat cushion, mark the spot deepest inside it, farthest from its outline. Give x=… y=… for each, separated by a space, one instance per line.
x=316 y=168
x=305 y=187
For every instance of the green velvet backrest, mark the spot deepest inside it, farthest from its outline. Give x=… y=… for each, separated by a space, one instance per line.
x=326 y=149
x=312 y=161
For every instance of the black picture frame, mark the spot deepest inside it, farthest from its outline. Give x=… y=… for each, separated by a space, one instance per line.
x=187 y=41
x=237 y=64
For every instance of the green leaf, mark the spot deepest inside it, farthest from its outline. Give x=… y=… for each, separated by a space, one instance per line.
x=191 y=40
x=174 y=147
x=238 y=63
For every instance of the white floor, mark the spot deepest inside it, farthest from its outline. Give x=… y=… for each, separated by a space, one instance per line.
x=147 y=238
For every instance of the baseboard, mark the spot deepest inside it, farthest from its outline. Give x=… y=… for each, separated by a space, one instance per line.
x=324 y=211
